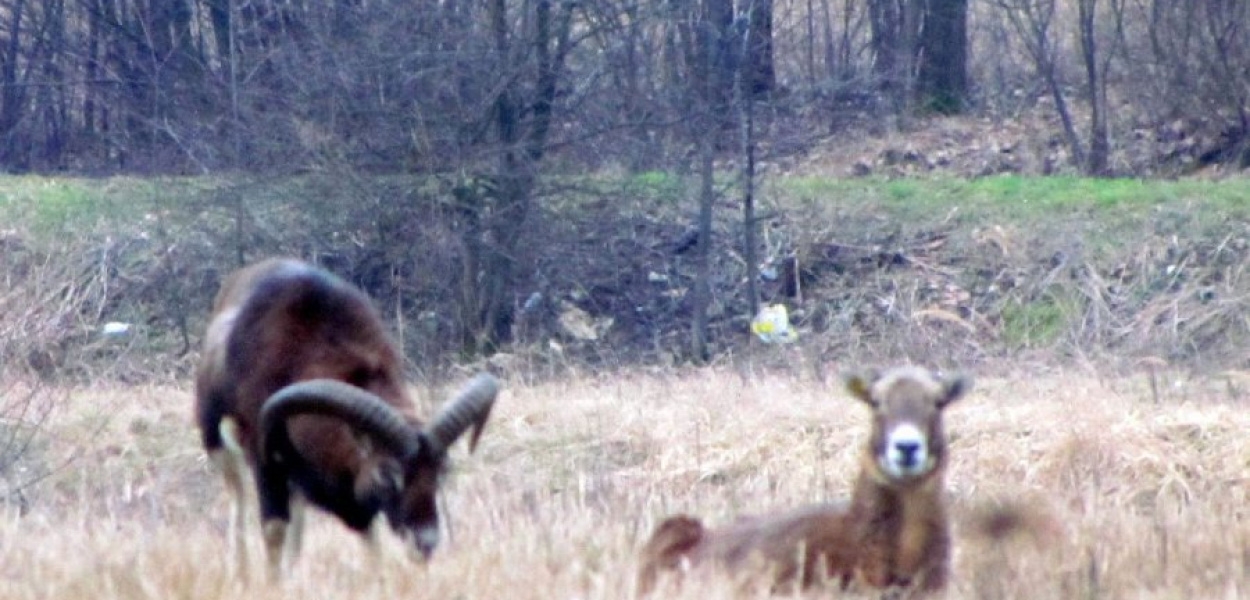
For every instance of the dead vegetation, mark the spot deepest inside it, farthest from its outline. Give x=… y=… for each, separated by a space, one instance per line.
x=610 y=271
x=1030 y=140
x=1104 y=493
x=63 y=289
x=24 y=412
x=1155 y=291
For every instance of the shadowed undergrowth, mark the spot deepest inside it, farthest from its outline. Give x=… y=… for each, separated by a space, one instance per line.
x=941 y=270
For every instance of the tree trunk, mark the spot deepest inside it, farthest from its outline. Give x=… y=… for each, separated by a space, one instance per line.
x=884 y=18
x=53 y=99
x=716 y=47
x=1096 y=160
x=219 y=14
x=895 y=41
x=12 y=91
x=762 y=74
x=942 y=75
x=498 y=215
x=832 y=59
x=809 y=48
x=747 y=122
x=1032 y=21
x=487 y=275
x=92 y=69
x=701 y=293
x=909 y=55
x=714 y=85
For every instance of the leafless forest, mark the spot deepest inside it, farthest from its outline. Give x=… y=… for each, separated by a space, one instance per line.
x=519 y=88
x=423 y=150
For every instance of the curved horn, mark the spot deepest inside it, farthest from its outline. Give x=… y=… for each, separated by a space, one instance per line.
x=333 y=398
x=471 y=407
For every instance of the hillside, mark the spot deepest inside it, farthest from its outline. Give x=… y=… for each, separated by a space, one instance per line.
x=937 y=269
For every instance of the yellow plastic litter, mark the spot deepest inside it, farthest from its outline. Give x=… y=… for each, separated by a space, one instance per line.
x=772 y=325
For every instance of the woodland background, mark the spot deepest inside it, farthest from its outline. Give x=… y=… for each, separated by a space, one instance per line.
x=624 y=181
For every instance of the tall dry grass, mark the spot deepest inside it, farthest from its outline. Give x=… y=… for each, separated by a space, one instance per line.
x=1115 y=495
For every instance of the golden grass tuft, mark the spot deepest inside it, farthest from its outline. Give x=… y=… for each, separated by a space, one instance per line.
x=1062 y=485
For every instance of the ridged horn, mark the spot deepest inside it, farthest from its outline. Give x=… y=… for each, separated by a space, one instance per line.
x=470 y=408
x=332 y=398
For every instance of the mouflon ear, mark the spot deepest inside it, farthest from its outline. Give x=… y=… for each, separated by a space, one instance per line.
x=860 y=383
x=382 y=481
x=954 y=386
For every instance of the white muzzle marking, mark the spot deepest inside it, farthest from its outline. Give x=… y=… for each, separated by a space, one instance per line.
x=906 y=452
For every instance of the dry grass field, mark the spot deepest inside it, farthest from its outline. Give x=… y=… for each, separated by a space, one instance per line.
x=1125 y=492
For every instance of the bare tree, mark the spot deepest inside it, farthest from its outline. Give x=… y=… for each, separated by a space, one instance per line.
x=1096 y=87
x=1189 y=70
x=711 y=77
x=758 y=54
x=894 y=31
x=921 y=53
x=13 y=77
x=1033 y=22
x=529 y=65
x=942 y=73
x=750 y=224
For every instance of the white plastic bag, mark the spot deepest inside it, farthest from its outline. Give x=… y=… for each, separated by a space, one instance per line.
x=772 y=325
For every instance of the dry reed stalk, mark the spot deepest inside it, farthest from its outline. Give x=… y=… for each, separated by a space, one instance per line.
x=574 y=473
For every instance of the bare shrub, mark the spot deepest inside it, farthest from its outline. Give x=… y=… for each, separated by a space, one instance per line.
x=24 y=413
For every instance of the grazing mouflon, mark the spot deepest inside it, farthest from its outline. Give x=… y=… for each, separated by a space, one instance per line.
x=300 y=382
